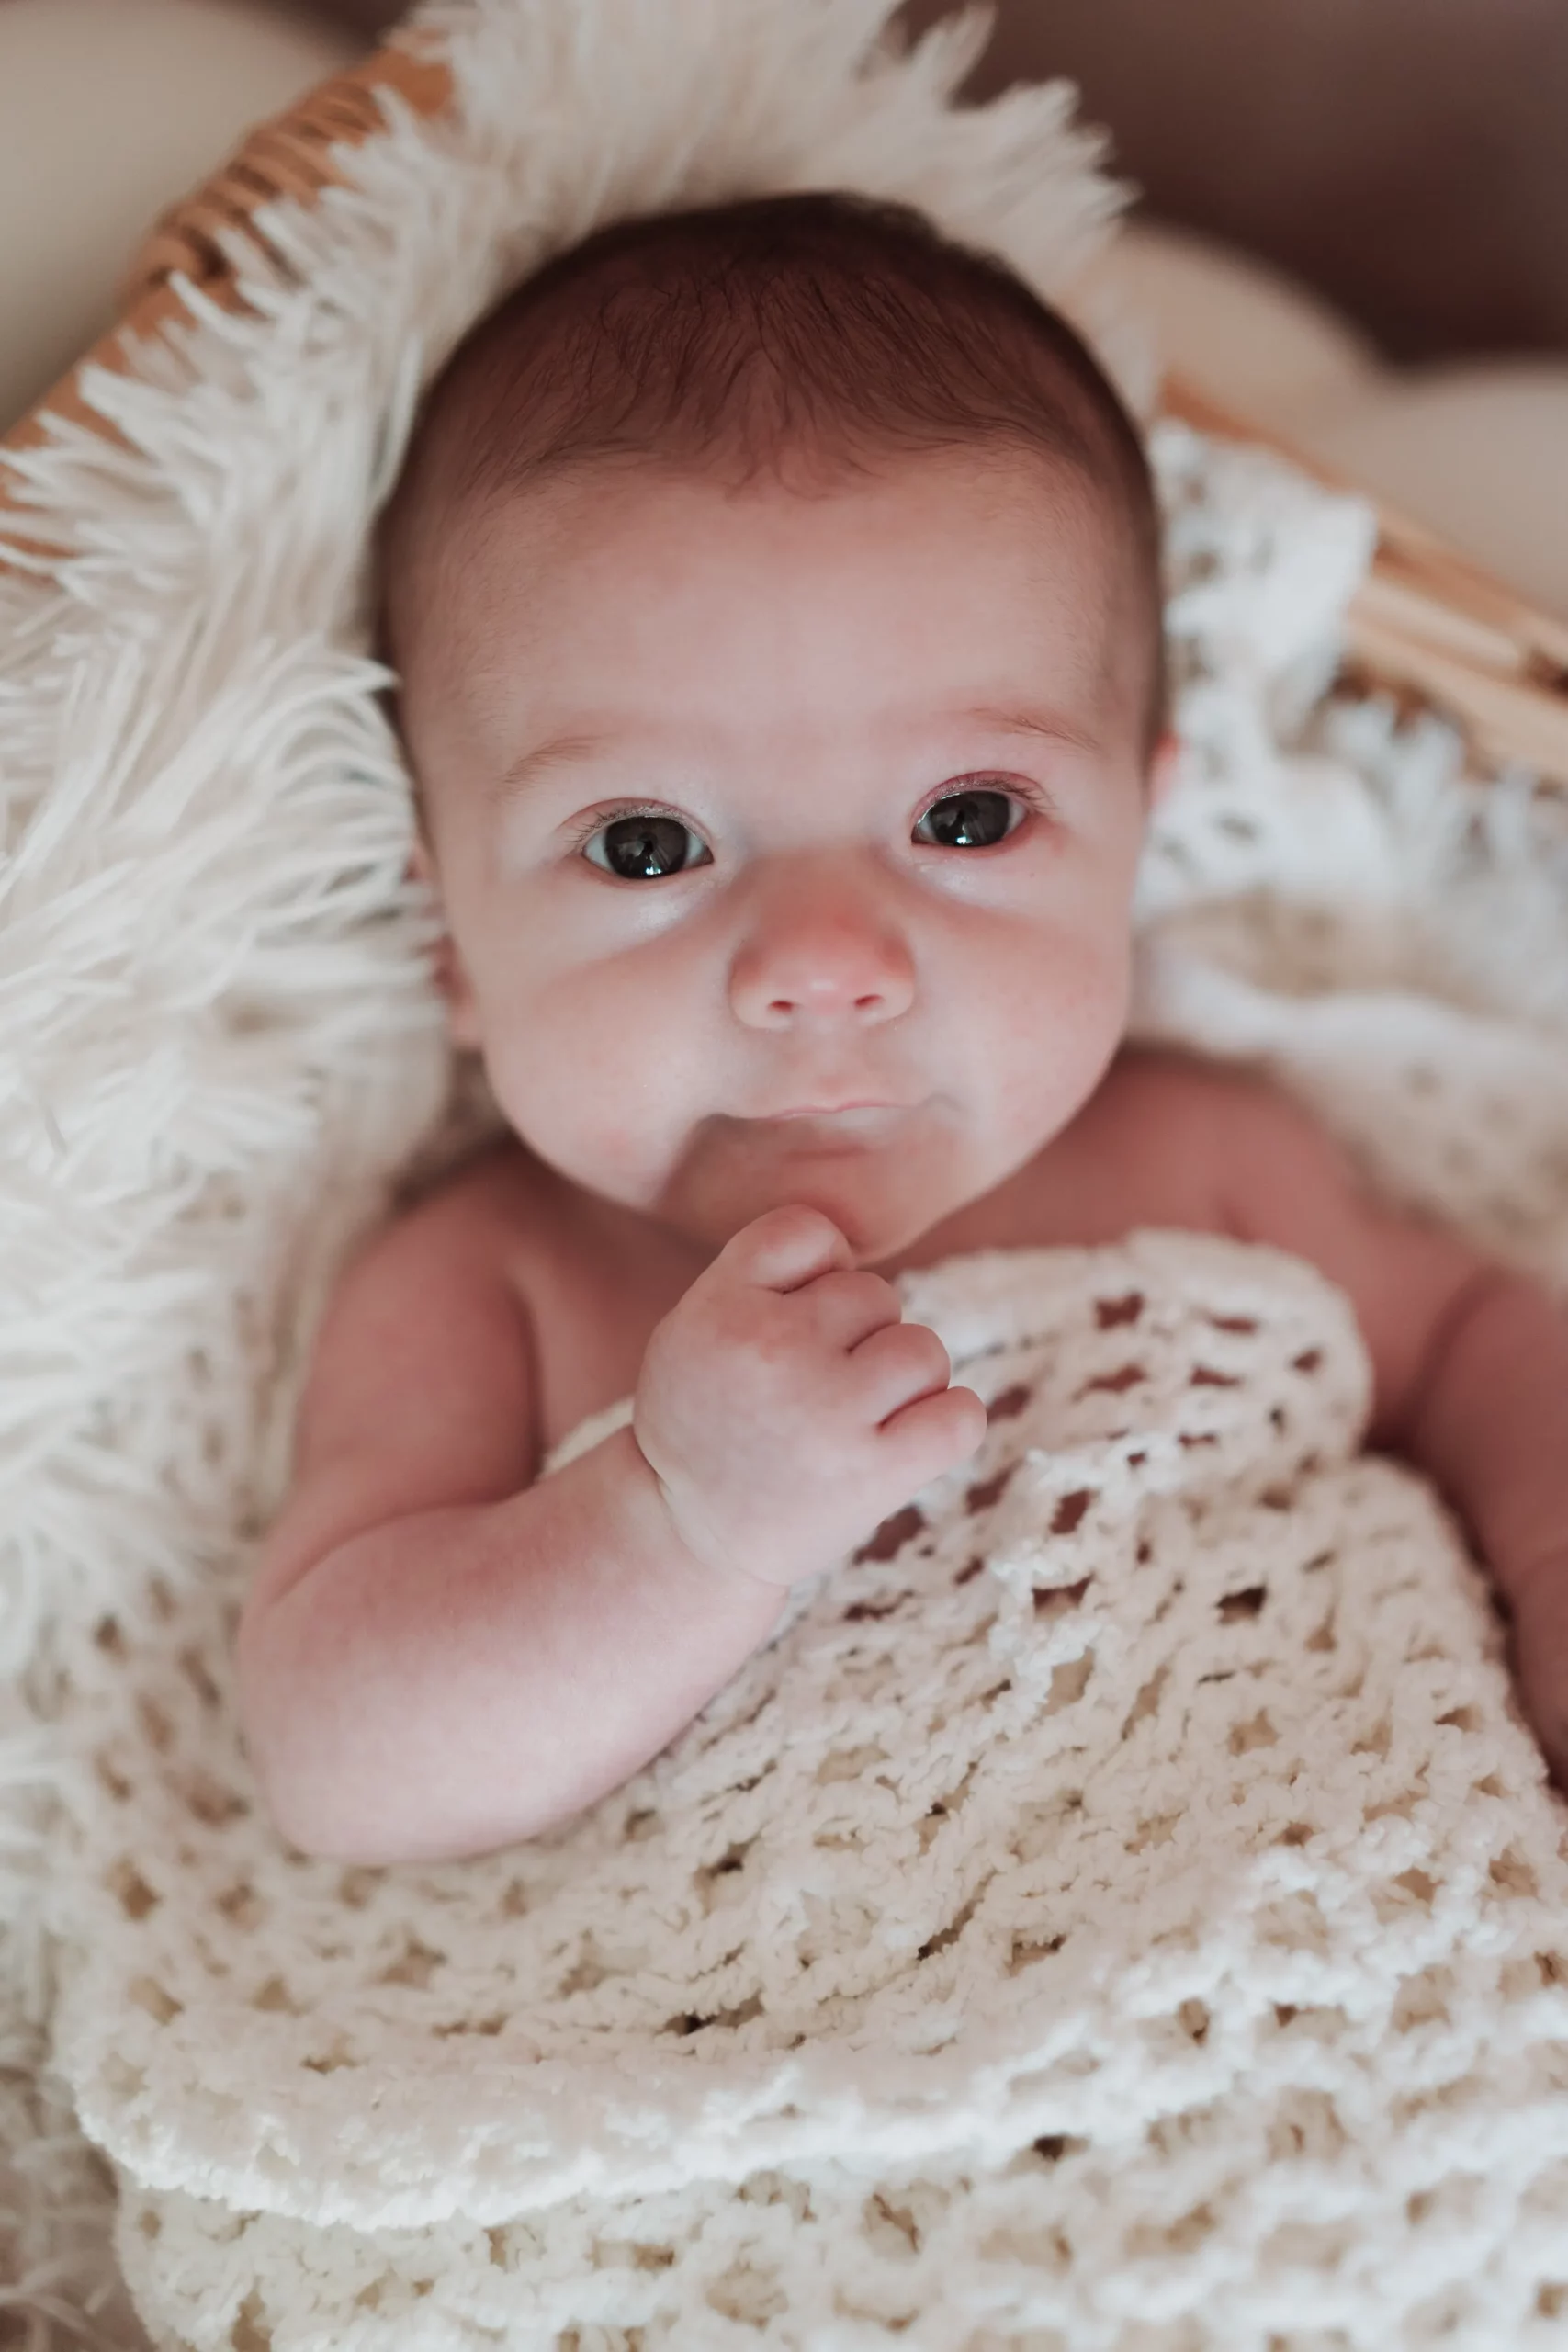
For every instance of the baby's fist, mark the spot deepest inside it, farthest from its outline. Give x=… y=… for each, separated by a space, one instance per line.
x=785 y=1408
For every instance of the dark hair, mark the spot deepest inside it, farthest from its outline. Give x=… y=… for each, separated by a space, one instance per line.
x=729 y=336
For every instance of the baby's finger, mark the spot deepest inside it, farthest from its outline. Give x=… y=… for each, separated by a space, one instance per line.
x=847 y=1308
x=897 y=1365
x=784 y=1248
x=933 y=1434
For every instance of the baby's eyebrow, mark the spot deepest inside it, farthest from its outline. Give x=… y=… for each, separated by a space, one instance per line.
x=575 y=750
x=1049 y=725
x=562 y=751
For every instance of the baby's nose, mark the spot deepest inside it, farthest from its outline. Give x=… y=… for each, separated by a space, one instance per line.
x=813 y=955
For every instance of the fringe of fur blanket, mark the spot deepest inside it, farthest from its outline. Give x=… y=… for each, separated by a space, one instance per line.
x=221 y=1045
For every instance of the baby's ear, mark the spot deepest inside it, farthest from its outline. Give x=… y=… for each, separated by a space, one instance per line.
x=1163 y=766
x=450 y=972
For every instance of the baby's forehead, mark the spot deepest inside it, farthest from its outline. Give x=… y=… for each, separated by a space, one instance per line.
x=528 y=535
x=485 y=541
x=875 y=613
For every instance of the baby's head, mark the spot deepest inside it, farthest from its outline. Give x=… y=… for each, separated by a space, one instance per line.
x=774 y=592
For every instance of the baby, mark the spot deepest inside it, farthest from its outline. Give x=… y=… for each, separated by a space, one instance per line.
x=775 y=600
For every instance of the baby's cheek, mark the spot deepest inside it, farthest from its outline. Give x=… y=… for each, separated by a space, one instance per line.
x=595 y=1082
x=1062 y=1010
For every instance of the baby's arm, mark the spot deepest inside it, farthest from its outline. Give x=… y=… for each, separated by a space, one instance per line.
x=438 y=1657
x=1471 y=1364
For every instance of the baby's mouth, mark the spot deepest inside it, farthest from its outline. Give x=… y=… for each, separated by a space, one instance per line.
x=850 y=1114
x=844 y=1126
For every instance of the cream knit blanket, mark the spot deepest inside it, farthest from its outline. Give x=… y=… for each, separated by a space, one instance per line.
x=1120 y=1896
x=1291 y=2078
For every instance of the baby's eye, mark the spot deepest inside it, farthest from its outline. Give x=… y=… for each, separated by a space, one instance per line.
x=973 y=818
x=645 y=846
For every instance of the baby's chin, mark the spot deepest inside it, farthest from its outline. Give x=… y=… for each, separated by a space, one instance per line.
x=880 y=1202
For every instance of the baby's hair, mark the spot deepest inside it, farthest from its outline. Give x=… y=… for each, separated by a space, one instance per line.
x=737 y=338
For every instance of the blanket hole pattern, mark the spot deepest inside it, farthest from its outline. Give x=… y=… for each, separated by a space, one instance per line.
x=1123 y=1884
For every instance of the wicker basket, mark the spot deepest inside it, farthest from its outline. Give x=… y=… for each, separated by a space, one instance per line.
x=1427 y=625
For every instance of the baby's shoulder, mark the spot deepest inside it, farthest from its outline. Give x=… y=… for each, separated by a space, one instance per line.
x=1168 y=1083
x=1170 y=1140
x=586 y=1281
x=1177 y=1131
x=498 y=1198
x=1229 y=1150
x=473 y=1229
x=420 y=1388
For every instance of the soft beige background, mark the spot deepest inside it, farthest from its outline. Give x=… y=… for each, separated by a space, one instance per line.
x=1408 y=157
x=111 y=109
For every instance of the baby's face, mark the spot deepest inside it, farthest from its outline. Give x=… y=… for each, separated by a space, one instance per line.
x=786 y=841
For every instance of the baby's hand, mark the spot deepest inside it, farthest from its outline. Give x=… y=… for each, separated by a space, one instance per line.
x=785 y=1407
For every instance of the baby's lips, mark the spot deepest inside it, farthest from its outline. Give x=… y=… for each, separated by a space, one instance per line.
x=865 y=1120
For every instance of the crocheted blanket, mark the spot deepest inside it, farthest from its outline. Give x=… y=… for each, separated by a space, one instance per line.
x=1121 y=1895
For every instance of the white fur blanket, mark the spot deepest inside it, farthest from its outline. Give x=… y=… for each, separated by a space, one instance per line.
x=222 y=1047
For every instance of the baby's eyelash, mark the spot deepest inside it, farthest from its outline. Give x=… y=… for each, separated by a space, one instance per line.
x=1017 y=788
x=583 y=832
